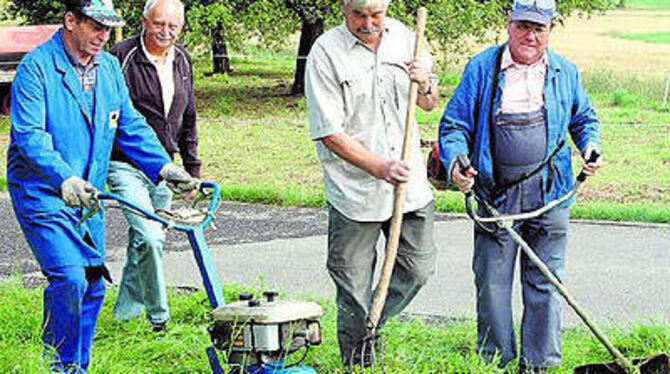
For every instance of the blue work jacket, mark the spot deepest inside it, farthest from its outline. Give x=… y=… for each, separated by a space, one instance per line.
x=465 y=129
x=55 y=135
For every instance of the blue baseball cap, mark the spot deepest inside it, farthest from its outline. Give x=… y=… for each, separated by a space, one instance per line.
x=538 y=11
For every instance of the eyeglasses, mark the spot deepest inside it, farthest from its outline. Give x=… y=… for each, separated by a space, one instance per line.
x=524 y=28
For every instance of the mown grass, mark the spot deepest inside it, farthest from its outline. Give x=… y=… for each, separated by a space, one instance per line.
x=270 y=159
x=412 y=345
x=255 y=142
x=658 y=37
x=647 y=4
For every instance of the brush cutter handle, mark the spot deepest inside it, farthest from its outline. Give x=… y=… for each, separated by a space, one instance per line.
x=528 y=215
x=464 y=165
x=595 y=155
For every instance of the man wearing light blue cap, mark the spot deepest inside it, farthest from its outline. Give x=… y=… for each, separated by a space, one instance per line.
x=70 y=104
x=511 y=115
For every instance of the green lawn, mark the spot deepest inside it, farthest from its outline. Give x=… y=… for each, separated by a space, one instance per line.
x=659 y=37
x=255 y=140
x=648 y=4
x=411 y=346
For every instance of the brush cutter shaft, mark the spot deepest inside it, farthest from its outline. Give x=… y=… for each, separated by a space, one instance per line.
x=618 y=356
x=381 y=291
x=506 y=221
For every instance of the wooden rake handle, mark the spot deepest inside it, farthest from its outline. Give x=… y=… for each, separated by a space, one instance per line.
x=379 y=298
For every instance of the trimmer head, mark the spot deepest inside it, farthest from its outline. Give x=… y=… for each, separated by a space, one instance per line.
x=656 y=364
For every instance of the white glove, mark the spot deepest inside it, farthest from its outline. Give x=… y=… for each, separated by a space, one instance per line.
x=178 y=180
x=77 y=192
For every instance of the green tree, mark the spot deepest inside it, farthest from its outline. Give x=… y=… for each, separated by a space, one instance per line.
x=453 y=26
x=312 y=15
x=230 y=23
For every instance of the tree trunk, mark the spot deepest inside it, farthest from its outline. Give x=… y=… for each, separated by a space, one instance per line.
x=220 y=59
x=312 y=28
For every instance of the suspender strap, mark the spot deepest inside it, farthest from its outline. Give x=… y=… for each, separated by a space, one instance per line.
x=494 y=91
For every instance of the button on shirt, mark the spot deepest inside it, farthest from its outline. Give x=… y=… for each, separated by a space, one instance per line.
x=523 y=90
x=351 y=89
x=165 y=75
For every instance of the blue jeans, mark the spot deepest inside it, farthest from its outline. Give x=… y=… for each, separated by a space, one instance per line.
x=142 y=282
x=72 y=302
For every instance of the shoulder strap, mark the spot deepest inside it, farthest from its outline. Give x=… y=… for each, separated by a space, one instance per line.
x=492 y=97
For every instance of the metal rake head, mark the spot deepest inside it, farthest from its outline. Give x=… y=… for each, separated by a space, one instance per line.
x=368 y=353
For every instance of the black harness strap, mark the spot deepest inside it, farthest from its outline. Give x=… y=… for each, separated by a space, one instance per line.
x=499 y=189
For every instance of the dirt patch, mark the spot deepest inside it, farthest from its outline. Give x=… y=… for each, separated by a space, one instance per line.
x=615 y=192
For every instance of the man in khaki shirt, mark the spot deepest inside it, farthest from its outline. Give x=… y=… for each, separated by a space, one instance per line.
x=357 y=86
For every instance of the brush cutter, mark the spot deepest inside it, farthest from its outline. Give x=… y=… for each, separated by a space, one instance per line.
x=255 y=335
x=369 y=352
x=657 y=364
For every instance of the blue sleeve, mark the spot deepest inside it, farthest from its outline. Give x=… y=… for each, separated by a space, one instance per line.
x=28 y=131
x=135 y=137
x=457 y=125
x=584 y=125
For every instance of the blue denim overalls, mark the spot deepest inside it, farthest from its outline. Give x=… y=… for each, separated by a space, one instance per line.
x=520 y=146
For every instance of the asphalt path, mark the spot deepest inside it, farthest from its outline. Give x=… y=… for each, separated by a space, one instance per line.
x=618 y=272
x=235 y=223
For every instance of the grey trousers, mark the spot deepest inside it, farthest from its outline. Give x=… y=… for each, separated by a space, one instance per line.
x=351 y=262
x=493 y=265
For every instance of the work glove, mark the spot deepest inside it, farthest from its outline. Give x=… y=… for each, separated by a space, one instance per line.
x=77 y=192
x=178 y=180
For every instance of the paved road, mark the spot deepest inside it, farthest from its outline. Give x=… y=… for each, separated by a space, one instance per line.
x=618 y=272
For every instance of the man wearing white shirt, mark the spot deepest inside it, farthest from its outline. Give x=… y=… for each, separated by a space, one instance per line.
x=357 y=83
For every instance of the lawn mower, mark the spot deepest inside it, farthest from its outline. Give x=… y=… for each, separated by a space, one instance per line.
x=656 y=364
x=255 y=336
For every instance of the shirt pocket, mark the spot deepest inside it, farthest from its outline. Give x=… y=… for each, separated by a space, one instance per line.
x=357 y=92
x=400 y=84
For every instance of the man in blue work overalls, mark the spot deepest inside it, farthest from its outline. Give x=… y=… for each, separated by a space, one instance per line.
x=511 y=115
x=70 y=104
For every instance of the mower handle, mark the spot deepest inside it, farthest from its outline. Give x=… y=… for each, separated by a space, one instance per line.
x=213 y=206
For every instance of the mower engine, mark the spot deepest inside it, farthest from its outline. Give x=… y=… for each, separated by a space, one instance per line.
x=258 y=335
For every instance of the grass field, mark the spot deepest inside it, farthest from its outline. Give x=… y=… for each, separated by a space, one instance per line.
x=412 y=346
x=254 y=137
x=647 y=4
x=658 y=37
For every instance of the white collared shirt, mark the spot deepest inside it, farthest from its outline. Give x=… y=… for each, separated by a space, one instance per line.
x=523 y=90
x=165 y=71
x=351 y=89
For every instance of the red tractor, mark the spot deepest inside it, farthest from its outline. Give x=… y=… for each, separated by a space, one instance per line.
x=16 y=41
